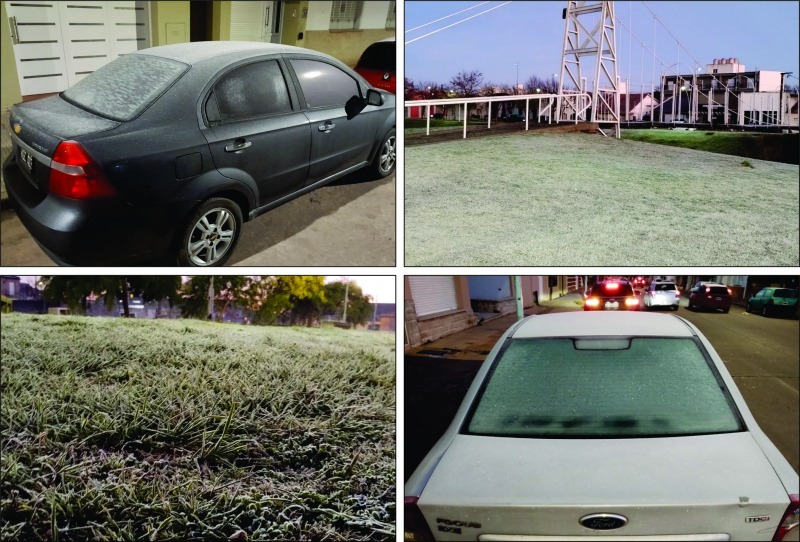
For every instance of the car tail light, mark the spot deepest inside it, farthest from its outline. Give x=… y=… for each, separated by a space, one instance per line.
x=789 y=520
x=415 y=527
x=631 y=302
x=612 y=286
x=708 y=290
x=75 y=175
x=729 y=291
x=592 y=302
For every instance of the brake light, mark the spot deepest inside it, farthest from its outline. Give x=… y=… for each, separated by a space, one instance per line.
x=593 y=302
x=729 y=291
x=75 y=175
x=790 y=519
x=708 y=290
x=415 y=527
x=631 y=302
x=612 y=286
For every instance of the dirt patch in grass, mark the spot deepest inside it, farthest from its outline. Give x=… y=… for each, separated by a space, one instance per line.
x=150 y=430
x=580 y=199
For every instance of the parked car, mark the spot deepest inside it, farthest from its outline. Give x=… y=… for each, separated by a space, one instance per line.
x=377 y=65
x=603 y=426
x=772 y=301
x=710 y=295
x=639 y=282
x=165 y=152
x=662 y=294
x=611 y=295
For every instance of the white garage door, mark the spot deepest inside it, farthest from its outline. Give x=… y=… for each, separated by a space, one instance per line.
x=56 y=44
x=433 y=294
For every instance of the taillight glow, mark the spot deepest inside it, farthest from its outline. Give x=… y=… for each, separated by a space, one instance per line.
x=729 y=291
x=612 y=286
x=631 y=302
x=592 y=302
x=790 y=519
x=415 y=527
x=708 y=290
x=73 y=173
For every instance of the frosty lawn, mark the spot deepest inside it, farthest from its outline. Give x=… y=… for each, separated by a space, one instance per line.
x=147 y=430
x=582 y=199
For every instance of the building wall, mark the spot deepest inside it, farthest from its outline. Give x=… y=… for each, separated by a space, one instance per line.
x=9 y=82
x=346 y=45
x=170 y=22
x=221 y=21
x=429 y=328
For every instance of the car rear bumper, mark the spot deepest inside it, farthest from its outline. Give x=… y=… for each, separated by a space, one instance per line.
x=91 y=232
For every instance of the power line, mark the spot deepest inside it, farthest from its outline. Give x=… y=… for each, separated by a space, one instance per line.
x=446 y=17
x=458 y=22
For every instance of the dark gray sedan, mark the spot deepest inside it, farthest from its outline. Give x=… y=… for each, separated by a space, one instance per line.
x=163 y=153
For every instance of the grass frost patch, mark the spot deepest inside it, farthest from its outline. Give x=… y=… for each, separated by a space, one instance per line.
x=118 y=429
x=579 y=199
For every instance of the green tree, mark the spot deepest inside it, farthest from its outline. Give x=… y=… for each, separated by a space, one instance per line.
x=228 y=290
x=303 y=295
x=74 y=290
x=358 y=304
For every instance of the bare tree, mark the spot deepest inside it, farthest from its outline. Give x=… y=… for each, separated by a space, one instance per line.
x=535 y=84
x=431 y=90
x=467 y=84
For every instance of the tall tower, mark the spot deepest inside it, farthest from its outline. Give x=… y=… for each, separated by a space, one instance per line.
x=597 y=50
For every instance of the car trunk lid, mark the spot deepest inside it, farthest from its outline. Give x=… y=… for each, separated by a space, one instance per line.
x=38 y=127
x=492 y=488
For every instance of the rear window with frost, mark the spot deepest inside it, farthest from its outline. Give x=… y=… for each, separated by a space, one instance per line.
x=602 y=388
x=122 y=89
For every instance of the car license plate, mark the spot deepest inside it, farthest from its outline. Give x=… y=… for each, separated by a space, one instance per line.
x=718 y=298
x=26 y=159
x=611 y=305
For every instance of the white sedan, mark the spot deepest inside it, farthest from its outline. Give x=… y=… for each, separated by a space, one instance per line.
x=603 y=426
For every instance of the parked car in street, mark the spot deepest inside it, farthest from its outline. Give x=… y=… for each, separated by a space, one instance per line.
x=164 y=153
x=661 y=294
x=603 y=426
x=611 y=295
x=773 y=301
x=710 y=295
x=377 y=65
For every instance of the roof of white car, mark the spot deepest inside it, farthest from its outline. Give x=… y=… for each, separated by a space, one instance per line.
x=602 y=323
x=190 y=53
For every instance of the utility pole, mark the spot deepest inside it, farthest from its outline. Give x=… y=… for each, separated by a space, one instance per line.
x=518 y=288
x=346 y=288
x=211 y=299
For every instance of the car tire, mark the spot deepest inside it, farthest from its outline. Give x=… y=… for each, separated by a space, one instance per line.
x=219 y=214
x=674 y=307
x=386 y=158
x=725 y=310
x=747 y=307
x=765 y=311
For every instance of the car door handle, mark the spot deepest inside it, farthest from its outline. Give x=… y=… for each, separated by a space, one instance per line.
x=327 y=127
x=238 y=144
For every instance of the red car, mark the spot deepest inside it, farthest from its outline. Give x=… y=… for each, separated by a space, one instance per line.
x=611 y=295
x=710 y=295
x=377 y=65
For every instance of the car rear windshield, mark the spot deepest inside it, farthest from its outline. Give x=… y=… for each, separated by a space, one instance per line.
x=785 y=292
x=606 y=289
x=122 y=89
x=602 y=388
x=718 y=290
x=664 y=286
x=378 y=56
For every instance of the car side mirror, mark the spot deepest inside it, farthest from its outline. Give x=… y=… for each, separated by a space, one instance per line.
x=354 y=106
x=374 y=97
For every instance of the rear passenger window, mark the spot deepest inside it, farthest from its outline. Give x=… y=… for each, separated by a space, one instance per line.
x=253 y=90
x=324 y=85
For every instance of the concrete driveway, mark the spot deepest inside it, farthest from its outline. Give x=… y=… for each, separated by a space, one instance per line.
x=350 y=222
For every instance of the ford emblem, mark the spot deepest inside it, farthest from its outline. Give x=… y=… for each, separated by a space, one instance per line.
x=603 y=522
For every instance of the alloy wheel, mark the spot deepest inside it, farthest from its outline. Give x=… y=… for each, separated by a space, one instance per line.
x=388 y=155
x=211 y=237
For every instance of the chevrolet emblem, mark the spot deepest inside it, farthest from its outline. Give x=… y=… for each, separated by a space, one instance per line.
x=17 y=128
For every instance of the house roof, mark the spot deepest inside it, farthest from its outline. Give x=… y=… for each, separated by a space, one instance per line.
x=632 y=100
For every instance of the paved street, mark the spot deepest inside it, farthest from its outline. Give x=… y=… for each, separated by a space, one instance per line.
x=350 y=222
x=762 y=355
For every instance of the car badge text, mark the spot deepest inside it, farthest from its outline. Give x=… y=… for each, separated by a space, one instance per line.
x=603 y=522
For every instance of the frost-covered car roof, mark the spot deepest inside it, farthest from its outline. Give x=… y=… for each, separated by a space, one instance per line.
x=584 y=324
x=191 y=53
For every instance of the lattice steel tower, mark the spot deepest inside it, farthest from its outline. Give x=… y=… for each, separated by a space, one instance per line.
x=598 y=45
